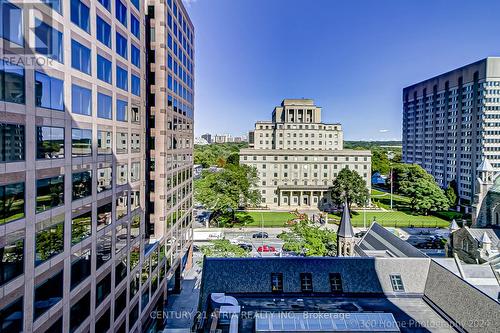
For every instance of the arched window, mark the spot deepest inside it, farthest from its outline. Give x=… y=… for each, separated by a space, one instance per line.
x=465 y=245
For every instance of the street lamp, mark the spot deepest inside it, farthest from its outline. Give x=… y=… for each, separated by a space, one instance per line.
x=390 y=156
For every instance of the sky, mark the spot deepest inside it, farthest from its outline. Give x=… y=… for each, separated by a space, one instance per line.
x=352 y=57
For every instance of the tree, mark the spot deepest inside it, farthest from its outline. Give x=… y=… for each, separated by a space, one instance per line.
x=233 y=159
x=420 y=187
x=227 y=190
x=223 y=248
x=309 y=240
x=349 y=186
x=451 y=193
x=380 y=162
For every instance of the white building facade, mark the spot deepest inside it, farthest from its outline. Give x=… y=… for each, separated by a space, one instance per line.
x=298 y=157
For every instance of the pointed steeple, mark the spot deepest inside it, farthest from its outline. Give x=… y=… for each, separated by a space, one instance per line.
x=485 y=239
x=485 y=166
x=454 y=226
x=345 y=227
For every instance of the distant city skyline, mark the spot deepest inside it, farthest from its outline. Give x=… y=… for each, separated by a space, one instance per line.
x=352 y=57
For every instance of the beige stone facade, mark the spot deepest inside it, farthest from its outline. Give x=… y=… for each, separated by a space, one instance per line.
x=298 y=157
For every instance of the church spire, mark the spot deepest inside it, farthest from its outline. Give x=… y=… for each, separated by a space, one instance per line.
x=345 y=234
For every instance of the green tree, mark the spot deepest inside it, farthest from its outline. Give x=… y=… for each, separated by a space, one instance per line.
x=420 y=187
x=451 y=193
x=349 y=186
x=233 y=159
x=380 y=162
x=308 y=239
x=227 y=190
x=223 y=248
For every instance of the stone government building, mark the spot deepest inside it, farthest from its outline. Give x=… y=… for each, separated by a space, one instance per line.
x=298 y=156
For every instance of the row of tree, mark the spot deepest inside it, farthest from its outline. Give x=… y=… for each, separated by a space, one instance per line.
x=218 y=154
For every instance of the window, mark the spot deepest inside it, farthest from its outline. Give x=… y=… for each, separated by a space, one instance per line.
x=49 y=238
x=104 y=108
x=80 y=57
x=47 y=294
x=121 y=205
x=103 y=249
x=133 y=315
x=135 y=26
x=104 y=179
x=82 y=184
x=11 y=28
x=135 y=227
x=80 y=15
x=121 y=110
x=121 y=45
x=103 y=31
x=12 y=87
x=103 y=288
x=135 y=85
x=122 y=177
x=121 y=270
x=55 y=5
x=335 y=283
x=135 y=114
x=136 y=3
x=135 y=200
x=277 y=282
x=120 y=303
x=121 y=12
x=81 y=142
x=48 y=41
x=104 y=214
x=106 y=4
x=12 y=256
x=121 y=237
x=397 y=282
x=306 y=282
x=135 y=56
x=121 y=143
x=79 y=312
x=135 y=143
x=81 y=100
x=49 y=193
x=135 y=171
x=81 y=226
x=49 y=92
x=80 y=266
x=104 y=69
x=12 y=142
x=121 y=78
x=11 y=202
x=104 y=142
x=50 y=142
x=11 y=316
x=104 y=322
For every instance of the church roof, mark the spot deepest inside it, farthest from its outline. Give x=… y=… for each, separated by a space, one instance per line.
x=345 y=227
x=485 y=166
x=493 y=234
x=378 y=241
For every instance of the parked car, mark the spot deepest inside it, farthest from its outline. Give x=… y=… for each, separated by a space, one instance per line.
x=246 y=247
x=260 y=235
x=266 y=248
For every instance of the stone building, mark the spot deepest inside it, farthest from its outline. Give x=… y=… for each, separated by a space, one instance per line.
x=298 y=156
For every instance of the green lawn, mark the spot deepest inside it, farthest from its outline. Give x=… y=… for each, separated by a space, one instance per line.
x=393 y=219
x=271 y=219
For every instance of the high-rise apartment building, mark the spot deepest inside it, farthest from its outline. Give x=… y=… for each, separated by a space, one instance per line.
x=77 y=251
x=297 y=156
x=451 y=124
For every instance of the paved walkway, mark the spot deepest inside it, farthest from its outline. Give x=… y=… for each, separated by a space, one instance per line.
x=181 y=308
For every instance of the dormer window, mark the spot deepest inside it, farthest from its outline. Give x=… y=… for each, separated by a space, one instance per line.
x=397 y=283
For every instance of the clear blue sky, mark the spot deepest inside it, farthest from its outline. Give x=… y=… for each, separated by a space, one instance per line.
x=352 y=57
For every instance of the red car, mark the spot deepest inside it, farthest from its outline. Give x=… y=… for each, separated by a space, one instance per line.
x=266 y=248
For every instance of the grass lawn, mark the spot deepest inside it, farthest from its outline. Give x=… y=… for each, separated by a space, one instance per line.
x=393 y=219
x=271 y=219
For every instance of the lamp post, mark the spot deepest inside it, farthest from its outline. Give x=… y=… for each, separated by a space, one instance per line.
x=390 y=156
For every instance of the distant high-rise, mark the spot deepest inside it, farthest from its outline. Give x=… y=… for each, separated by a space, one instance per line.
x=208 y=137
x=298 y=156
x=451 y=122
x=78 y=253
